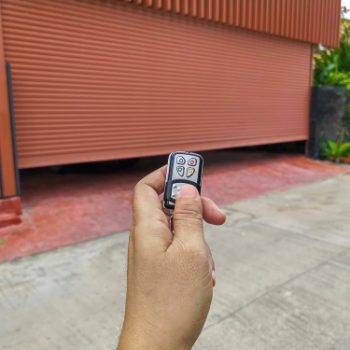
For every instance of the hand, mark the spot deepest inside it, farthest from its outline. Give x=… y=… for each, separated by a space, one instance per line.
x=170 y=274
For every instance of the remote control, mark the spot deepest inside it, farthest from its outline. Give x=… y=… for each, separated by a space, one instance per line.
x=183 y=168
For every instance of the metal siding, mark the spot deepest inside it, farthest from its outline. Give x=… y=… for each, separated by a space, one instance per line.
x=288 y=18
x=102 y=80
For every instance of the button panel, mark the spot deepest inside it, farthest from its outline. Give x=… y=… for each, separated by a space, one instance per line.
x=186 y=167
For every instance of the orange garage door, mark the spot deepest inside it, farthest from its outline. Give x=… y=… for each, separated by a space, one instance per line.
x=98 y=80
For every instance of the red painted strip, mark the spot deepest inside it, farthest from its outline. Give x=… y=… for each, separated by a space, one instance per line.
x=64 y=209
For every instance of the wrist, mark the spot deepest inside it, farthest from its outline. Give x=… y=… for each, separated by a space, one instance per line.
x=132 y=338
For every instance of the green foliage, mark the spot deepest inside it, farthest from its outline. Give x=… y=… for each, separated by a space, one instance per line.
x=341 y=79
x=335 y=151
x=1 y=242
x=326 y=65
x=332 y=67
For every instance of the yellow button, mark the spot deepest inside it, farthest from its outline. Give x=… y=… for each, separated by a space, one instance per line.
x=190 y=172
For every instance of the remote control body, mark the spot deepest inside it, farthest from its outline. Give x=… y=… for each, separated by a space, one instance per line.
x=183 y=168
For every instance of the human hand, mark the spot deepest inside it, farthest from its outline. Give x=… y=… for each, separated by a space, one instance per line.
x=170 y=274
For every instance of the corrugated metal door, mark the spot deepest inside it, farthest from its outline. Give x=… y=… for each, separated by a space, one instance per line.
x=97 y=80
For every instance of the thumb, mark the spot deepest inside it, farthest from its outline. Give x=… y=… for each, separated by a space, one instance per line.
x=188 y=215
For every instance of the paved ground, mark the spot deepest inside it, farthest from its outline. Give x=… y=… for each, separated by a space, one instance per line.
x=283 y=267
x=61 y=209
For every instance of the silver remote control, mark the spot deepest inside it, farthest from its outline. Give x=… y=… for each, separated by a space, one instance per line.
x=183 y=168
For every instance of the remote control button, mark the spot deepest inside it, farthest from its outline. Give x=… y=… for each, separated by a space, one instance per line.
x=192 y=161
x=176 y=190
x=180 y=170
x=180 y=160
x=190 y=172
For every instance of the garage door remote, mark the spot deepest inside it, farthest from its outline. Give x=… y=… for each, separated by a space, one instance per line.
x=183 y=168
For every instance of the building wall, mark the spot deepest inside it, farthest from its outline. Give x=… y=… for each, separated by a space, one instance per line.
x=100 y=80
x=314 y=21
x=96 y=80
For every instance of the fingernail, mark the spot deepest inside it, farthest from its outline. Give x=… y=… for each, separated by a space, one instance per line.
x=188 y=191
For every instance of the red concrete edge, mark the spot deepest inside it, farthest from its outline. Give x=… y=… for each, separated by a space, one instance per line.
x=9 y=220
x=10 y=211
x=75 y=207
x=11 y=205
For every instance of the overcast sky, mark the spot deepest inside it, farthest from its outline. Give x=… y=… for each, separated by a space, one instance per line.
x=347 y=4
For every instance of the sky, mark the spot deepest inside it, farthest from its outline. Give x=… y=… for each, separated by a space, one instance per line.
x=347 y=4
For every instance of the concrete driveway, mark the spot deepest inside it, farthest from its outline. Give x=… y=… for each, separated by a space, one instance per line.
x=283 y=270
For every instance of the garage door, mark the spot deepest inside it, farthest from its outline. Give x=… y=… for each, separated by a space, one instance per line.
x=97 y=80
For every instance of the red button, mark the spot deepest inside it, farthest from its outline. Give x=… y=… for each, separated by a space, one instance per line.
x=192 y=161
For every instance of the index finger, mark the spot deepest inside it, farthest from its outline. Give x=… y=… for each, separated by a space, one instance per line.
x=146 y=195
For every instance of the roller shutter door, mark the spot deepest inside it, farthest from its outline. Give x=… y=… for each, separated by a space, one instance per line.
x=97 y=80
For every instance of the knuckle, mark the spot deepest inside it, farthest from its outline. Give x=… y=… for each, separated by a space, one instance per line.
x=188 y=210
x=185 y=221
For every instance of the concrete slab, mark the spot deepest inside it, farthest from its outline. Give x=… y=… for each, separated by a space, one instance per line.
x=279 y=286
x=254 y=258
x=319 y=210
x=71 y=298
x=310 y=312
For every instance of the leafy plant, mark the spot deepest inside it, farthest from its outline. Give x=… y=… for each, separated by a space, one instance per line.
x=332 y=67
x=335 y=151
x=326 y=66
x=339 y=79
